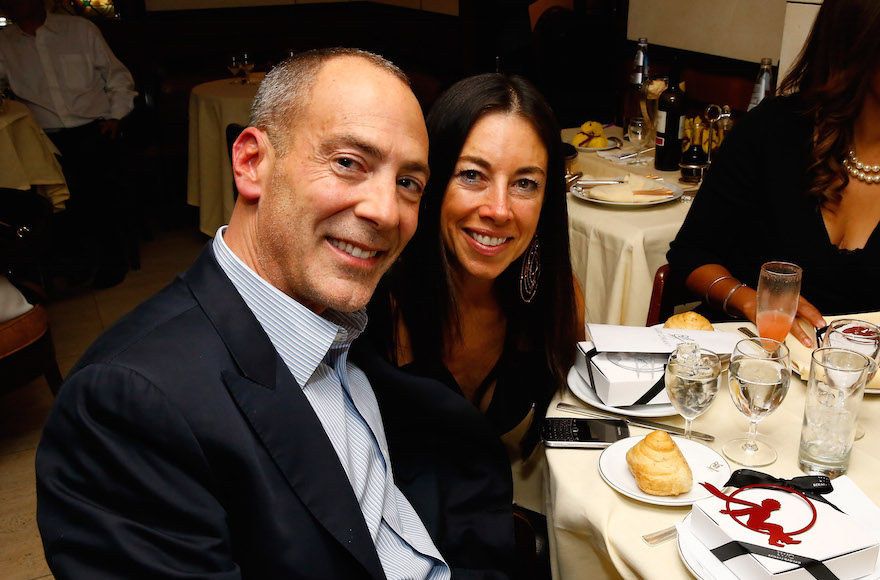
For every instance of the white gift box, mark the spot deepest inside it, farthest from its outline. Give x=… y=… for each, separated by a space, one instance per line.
x=622 y=379
x=836 y=540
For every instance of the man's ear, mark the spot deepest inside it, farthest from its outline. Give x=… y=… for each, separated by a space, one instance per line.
x=252 y=159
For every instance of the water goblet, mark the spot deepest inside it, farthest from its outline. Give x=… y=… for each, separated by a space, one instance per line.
x=234 y=66
x=760 y=372
x=692 y=379
x=779 y=287
x=247 y=65
x=638 y=132
x=860 y=336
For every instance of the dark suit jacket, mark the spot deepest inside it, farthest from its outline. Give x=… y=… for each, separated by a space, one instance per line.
x=180 y=446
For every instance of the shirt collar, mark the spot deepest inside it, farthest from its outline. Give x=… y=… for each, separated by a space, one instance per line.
x=301 y=337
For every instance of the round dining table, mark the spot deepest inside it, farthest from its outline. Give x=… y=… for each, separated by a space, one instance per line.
x=596 y=532
x=213 y=106
x=27 y=156
x=616 y=250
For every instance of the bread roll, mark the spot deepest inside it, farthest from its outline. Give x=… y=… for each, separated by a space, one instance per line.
x=689 y=320
x=658 y=465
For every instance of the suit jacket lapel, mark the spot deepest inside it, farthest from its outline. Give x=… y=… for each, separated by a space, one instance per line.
x=280 y=414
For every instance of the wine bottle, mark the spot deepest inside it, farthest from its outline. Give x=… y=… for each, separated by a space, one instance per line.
x=670 y=123
x=763 y=84
x=638 y=79
x=695 y=158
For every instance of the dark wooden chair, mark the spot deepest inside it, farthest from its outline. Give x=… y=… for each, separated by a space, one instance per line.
x=667 y=293
x=532 y=544
x=27 y=352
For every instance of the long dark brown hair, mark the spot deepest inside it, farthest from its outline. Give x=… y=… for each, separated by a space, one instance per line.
x=421 y=281
x=832 y=74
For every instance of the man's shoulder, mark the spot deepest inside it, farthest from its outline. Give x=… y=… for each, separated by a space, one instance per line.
x=65 y=23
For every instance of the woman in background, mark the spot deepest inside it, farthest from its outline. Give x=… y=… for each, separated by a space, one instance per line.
x=483 y=297
x=798 y=179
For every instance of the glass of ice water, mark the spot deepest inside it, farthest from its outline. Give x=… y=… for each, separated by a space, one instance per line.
x=760 y=371
x=692 y=379
x=834 y=394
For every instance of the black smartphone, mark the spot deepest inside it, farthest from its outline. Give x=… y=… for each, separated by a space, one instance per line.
x=584 y=433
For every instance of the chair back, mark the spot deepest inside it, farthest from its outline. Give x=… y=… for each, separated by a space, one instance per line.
x=666 y=294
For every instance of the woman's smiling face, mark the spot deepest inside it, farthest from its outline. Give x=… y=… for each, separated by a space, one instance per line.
x=493 y=200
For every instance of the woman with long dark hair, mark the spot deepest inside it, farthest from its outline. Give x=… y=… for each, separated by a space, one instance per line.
x=798 y=179
x=483 y=297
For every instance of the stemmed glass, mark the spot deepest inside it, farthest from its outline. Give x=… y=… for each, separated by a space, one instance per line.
x=692 y=379
x=234 y=66
x=860 y=336
x=247 y=65
x=638 y=132
x=760 y=372
x=779 y=287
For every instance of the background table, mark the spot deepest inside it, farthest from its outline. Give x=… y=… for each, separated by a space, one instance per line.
x=615 y=252
x=596 y=532
x=27 y=156
x=213 y=106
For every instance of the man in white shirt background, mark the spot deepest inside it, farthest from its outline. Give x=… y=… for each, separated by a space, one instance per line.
x=77 y=90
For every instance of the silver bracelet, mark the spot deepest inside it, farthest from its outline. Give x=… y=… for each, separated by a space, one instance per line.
x=729 y=294
x=715 y=281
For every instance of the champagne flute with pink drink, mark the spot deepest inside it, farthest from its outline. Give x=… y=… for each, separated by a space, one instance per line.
x=779 y=288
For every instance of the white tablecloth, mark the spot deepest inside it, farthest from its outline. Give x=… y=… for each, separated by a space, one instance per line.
x=615 y=252
x=27 y=156
x=213 y=106
x=597 y=533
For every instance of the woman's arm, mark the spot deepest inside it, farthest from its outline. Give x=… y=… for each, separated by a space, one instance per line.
x=719 y=288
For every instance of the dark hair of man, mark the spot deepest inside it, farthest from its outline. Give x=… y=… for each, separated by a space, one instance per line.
x=832 y=75
x=421 y=281
x=287 y=88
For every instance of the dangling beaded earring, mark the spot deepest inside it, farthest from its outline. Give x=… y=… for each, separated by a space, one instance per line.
x=531 y=271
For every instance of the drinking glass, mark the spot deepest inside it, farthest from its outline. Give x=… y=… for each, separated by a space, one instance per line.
x=860 y=336
x=247 y=65
x=234 y=66
x=831 y=408
x=639 y=131
x=759 y=378
x=692 y=378
x=779 y=288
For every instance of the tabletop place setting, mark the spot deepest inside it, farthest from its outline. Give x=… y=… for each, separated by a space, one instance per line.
x=742 y=523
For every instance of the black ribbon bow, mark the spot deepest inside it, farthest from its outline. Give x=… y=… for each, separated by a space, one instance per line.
x=812 y=486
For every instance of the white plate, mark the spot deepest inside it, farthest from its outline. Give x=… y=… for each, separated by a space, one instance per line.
x=616 y=473
x=674 y=188
x=613 y=143
x=584 y=391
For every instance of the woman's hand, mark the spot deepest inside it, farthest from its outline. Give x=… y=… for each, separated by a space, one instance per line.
x=812 y=316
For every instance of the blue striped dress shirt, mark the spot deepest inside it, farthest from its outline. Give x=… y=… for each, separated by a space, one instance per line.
x=315 y=349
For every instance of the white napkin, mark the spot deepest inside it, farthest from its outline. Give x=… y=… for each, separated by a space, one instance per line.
x=846 y=495
x=614 y=155
x=623 y=192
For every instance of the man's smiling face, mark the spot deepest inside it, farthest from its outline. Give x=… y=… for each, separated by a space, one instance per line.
x=343 y=202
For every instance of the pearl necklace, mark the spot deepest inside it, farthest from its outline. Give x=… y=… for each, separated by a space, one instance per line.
x=861 y=171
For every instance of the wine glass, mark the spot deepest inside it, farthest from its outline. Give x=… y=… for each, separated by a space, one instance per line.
x=247 y=65
x=779 y=287
x=860 y=336
x=234 y=66
x=692 y=379
x=638 y=132
x=759 y=378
